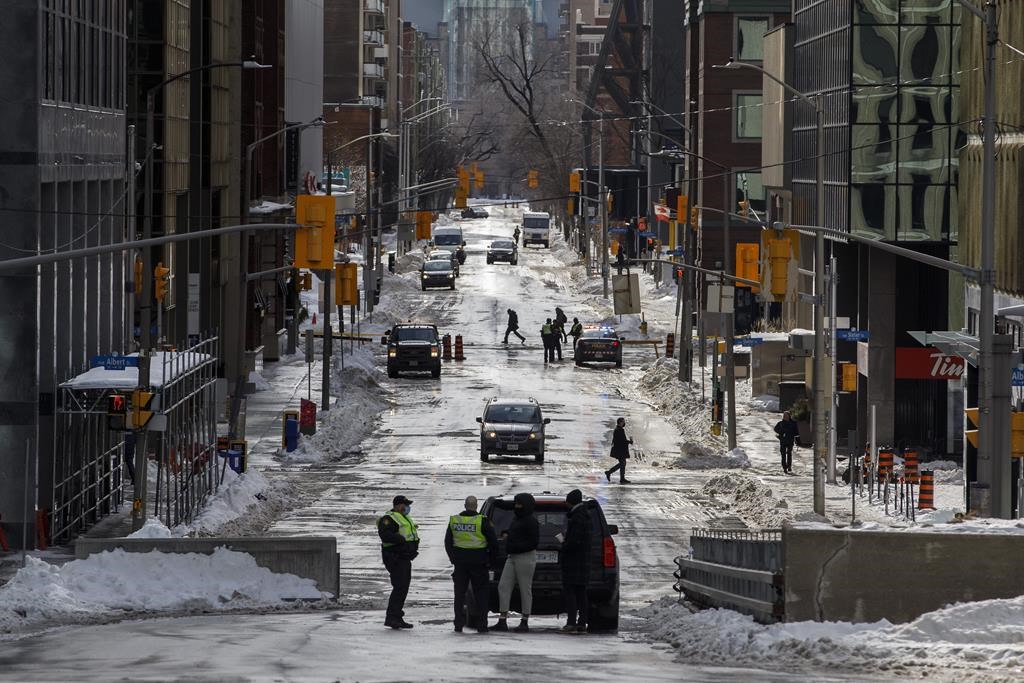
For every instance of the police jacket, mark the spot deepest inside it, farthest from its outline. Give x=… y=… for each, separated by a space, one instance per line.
x=399 y=537
x=470 y=539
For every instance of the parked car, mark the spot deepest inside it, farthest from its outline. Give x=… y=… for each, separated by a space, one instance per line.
x=599 y=345
x=475 y=212
x=414 y=348
x=437 y=273
x=512 y=426
x=443 y=255
x=503 y=250
x=551 y=511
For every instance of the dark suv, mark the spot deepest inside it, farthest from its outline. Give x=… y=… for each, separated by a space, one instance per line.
x=551 y=511
x=414 y=348
x=512 y=427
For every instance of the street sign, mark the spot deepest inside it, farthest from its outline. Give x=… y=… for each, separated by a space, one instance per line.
x=749 y=341
x=1018 y=377
x=115 y=362
x=852 y=335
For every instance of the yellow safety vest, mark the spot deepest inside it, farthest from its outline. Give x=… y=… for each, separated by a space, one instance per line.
x=406 y=527
x=468 y=532
x=545 y=329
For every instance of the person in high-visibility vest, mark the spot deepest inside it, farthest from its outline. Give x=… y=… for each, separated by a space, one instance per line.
x=472 y=546
x=400 y=543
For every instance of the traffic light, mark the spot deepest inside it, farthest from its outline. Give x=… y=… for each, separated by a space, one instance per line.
x=138 y=276
x=971 y=426
x=161 y=281
x=533 y=180
x=747 y=257
x=460 y=198
x=346 y=288
x=1017 y=435
x=781 y=251
x=744 y=208
x=694 y=216
x=682 y=203
x=610 y=199
x=117 y=404
x=314 y=241
x=571 y=207
x=463 y=182
x=423 y=221
x=574 y=181
x=307 y=282
x=142 y=408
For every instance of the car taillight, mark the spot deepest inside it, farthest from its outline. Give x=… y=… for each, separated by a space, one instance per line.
x=609 y=552
x=615 y=344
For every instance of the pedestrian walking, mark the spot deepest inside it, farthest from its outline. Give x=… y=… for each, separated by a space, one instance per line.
x=620 y=451
x=547 y=333
x=576 y=331
x=620 y=260
x=515 y=235
x=521 y=542
x=575 y=561
x=400 y=543
x=471 y=545
x=560 y=320
x=786 y=429
x=513 y=327
x=644 y=255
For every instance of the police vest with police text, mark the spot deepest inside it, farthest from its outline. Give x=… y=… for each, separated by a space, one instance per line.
x=468 y=532
x=406 y=527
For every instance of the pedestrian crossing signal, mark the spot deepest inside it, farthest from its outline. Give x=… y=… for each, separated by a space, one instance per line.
x=117 y=404
x=532 y=180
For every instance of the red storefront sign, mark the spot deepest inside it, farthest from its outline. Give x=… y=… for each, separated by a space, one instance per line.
x=928 y=363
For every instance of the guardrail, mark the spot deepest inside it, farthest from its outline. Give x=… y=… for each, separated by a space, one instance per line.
x=739 y=570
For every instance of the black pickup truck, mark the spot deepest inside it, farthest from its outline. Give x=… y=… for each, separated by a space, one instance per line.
x=414 y=348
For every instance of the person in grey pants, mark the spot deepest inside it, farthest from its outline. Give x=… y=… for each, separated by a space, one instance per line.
x=521 y=541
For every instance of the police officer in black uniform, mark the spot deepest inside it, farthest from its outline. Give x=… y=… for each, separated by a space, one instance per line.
x=400 y=543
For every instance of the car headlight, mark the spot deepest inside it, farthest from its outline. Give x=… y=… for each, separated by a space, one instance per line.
x=492 y=435
x=392 y=353
x=424 y=276
x=533 y=435
x=433 y=353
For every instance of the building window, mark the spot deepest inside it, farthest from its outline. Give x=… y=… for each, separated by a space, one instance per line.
x=748 y=116
x=750 y=38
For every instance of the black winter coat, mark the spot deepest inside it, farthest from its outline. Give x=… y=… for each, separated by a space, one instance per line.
x=402 y=549
x=513 y=320
x=620 y=443
x=787 y=431
x=575 y=554
x=524 y=533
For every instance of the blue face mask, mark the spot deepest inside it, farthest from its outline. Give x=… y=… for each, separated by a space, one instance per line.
x=408 y=509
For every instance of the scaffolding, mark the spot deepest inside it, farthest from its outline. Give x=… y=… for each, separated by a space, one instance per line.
x=90 y=457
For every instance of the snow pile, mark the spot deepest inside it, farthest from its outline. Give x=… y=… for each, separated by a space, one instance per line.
x=977 y=639
x=244 y=503
x=361 y=398
x=658 y=385
x=937 y=521
x=766 y=403
x=259 y=381
x=698 y=457
x=750 y=499
x=945 y=471
x=153 y=528
x=116 y=583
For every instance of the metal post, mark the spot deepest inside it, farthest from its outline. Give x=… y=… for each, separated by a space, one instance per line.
x=604 y=210
x=24 y=519
x=141 y=460
x=686 y=331
x=132 y=299
x=730 y=368
x=328 y=341
x=873 y=452
x=820 y=448
x=834 y=396
x=143 y=305
x=367 y=242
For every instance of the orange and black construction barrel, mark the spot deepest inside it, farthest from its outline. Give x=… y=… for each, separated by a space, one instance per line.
x=670 y=345
x=926 y=497
x=885 y=461
x=911 y=464
x=446 y=344
x=459 y=355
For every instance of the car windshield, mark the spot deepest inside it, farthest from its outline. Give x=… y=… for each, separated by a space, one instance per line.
x=440 y=255
x=532 y=222
x=452 y=239
x=522 y=414
x=502 y=245
x=414 y=334
x=437 y=265
x=603 y=333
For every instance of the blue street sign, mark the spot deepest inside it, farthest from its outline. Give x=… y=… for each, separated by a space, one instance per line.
x=749 y=341
x=1018 y=377
x=852 y=335
x=115 y=362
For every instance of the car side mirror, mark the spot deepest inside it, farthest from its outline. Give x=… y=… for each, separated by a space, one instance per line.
x=613 y=529
x=463 y=243
x=547 y=420
x=480 y=420
x=622 y=339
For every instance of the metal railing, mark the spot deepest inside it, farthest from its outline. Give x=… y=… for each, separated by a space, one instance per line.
x=739 y=570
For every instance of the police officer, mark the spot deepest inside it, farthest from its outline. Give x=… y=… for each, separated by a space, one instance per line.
x=471 y=545
x=547 y=335
x=400 y=544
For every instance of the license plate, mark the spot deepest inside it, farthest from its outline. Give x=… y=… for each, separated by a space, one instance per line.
x=513 y=447
x=547 y=557
x=414 y=362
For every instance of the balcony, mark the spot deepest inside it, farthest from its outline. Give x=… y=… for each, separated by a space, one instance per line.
x=373 y=6
x=373 y=70
x=373 y=37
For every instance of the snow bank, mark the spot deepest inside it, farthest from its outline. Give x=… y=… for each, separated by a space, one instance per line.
x=116 y=583
x=752 y=500
x=153 y=528
x=698 y=457
x=979 y=638
x=259 y=381
x=243 y=501
x=945 y=521
x=766 y=403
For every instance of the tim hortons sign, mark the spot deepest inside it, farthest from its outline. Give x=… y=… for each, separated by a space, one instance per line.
x=928 y=363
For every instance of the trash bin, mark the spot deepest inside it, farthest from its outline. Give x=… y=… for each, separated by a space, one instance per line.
x=291 y=434
x=391 y=261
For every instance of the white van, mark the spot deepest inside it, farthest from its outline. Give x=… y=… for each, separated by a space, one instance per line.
x=448 y=238
x=536 y=228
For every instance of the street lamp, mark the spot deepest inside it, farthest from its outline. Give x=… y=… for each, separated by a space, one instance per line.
x=405 y=150
x=600 y=192
x=820 y=368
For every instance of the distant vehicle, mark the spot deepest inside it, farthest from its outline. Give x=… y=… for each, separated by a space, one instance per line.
x=551 y=511
x=475 y=212
x=536 y=228
x=414 y=348
x=512 y=427
x=450 y=239
x=437 y=273
x=503 y=250
x=599 y=345
x=443 y=255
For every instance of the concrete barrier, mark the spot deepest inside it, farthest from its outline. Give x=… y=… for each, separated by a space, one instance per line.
x=864 y=576
x=309 y=557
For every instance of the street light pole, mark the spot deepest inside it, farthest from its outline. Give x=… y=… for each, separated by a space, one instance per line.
x=604 y=209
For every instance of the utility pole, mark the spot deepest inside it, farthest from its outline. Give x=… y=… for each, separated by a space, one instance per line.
x=820 y=366
x=730 y=368
x=604 y=209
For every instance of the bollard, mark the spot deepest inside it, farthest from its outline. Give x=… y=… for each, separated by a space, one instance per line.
x=670 y=345
x=42 y=528
x=885 y=461
x=910 y=465
x=446 y=344
x=926 y=496
x=459 y=355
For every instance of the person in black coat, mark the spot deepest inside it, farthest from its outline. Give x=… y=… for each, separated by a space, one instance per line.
x=513 y=327
x=521 y=541
x=400 y=544
x=575 y=560
x=620 y=451
x=466 y=532
x=786 y=429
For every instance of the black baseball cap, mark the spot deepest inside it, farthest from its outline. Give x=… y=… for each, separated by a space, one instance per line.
x=401 y=500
